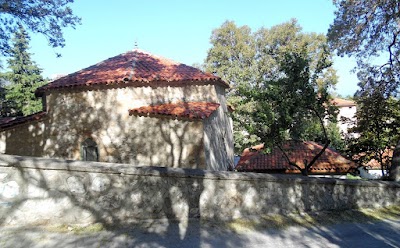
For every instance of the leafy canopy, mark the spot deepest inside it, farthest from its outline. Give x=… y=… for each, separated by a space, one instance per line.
x=24 y=77
x=366 y=30
x=369 y=31
x=280 y=79
x=377 y=128
x=47 y=17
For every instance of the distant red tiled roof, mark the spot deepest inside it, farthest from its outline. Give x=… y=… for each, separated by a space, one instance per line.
x=137 y=68
x=7 y=122
x=192 y=110
x=339 y=102
x=330 y=161
x=373 y=164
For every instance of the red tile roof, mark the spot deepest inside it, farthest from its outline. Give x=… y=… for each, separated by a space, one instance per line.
x=373 y=164
x=7 y=122
x=330 y=161
x=191 y=110
x=343 y=102
x=136 y=68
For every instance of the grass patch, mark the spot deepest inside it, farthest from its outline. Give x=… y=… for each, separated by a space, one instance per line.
x=350 y=176
x=391 y=212
x=314 y=219
x=77 y=229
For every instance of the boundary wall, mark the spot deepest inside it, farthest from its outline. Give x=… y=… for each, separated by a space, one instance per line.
x=51 y=191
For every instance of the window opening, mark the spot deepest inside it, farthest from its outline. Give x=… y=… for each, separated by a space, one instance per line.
x=90 y=151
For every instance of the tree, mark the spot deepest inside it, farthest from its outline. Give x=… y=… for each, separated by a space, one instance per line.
x=366 y=30
x=46 y=17
x=394 y=172
x=312 y=130
x=377 y=127
x=285 y=104
x=280 y=79
x=24 y=77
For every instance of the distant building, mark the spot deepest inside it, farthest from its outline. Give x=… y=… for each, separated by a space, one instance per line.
x=346 y=116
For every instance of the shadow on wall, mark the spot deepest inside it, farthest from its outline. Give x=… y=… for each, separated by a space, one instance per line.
x=102 y=116
x=40 y=191
x=26 y=139
x=48 y=191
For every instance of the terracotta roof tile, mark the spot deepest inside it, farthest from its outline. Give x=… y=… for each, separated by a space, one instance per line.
x=330 y=161
x=7 y=122
x=136 y=68
x=191 y=110
x=373 y=164
x=339 y=102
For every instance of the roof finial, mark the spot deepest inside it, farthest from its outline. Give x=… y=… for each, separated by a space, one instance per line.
x=134 y=60
x=136 y=45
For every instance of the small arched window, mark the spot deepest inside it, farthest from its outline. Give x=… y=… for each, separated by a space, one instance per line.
x=89 y=150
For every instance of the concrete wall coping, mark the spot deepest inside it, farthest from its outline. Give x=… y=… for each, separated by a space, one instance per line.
x=129 y=169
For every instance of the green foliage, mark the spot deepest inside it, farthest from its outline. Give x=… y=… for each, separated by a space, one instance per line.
x=46 y=17
x=232 y=55
x=311 y=129
x=24 y=77
x=377 y=127
x=280 y=79
x=366 y=30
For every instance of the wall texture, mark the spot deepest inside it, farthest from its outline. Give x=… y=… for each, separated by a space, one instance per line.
x=102 y=115
x=218 y=136
x=49 y=191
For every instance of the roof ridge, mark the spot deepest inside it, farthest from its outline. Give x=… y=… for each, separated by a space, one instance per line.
x=165 y=59
x=124 y=70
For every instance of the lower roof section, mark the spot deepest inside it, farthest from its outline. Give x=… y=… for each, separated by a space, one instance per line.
x=7 y=122
x=191 y=110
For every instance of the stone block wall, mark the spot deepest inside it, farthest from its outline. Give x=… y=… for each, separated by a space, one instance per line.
x=102 y=115
x=50 y=191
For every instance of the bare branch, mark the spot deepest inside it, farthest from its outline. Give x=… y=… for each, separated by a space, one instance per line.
x=321 y=122
x=288 y=159
x=391 y=55
x=318 y=155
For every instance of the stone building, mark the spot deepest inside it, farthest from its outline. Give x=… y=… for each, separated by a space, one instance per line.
x=132 y=108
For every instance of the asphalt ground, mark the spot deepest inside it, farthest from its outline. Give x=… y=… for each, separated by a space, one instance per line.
x=376 y=233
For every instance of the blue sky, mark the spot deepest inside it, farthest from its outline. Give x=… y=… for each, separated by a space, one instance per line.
x=176 y=29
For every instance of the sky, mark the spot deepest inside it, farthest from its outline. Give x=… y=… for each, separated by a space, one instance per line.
x=175 y=29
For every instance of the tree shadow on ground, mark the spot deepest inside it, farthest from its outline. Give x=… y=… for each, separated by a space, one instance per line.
x=345 y=228
x=338 y=231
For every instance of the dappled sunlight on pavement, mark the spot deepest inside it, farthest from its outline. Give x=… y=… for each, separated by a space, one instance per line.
x=366 y=234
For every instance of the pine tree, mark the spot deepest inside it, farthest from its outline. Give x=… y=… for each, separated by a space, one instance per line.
x=24 y=77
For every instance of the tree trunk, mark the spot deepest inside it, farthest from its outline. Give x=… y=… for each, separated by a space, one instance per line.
x=394 y=171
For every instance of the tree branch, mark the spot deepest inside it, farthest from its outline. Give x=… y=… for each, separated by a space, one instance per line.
x=321 y=122
x=318 y=155
x=394 y=40
x=327 y=141
x=288 y=159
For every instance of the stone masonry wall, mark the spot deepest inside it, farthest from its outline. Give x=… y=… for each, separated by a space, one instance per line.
x=218 y=136
x=49 y=191
x=26 y=139
x=102 y=115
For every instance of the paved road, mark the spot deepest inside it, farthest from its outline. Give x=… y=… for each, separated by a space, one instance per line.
x=373 y=234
